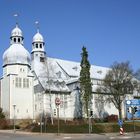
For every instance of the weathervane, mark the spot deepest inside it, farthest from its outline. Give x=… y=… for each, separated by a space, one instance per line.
x=37 y=25
x=16 y=18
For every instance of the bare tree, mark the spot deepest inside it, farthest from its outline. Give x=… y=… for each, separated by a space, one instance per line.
x=118 y=82
x=49 y=70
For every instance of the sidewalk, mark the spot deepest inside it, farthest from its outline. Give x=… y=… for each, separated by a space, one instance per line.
x=125 y=135
x=17 y=132
x=111 y=135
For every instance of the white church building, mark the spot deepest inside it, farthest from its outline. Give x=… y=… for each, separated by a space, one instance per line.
x=31 y=82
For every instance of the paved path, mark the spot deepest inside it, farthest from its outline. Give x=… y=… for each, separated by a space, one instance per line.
x=22 y=135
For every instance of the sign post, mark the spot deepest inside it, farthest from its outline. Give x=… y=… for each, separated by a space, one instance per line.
x=57 y=102
x=133 y=112
x=120 y=123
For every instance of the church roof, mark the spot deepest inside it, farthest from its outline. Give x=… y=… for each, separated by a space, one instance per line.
x=38 y=37
x=16 y=32
x=56 y=73
x=16 y=53
x=73 y=69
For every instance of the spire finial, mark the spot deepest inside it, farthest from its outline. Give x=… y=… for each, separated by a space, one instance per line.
x=37 y=26
x=16 y=18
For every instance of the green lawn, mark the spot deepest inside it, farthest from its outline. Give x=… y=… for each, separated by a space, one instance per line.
x=96 y=128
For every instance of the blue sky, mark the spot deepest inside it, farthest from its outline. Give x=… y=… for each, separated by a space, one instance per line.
x=110 y=29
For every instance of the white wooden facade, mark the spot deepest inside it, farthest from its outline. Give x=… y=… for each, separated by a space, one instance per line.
x=32 y=84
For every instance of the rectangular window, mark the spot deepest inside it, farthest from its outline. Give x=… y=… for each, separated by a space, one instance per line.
x=65 y=101
x=61 y=100
x=18 y=82
x=25 y=83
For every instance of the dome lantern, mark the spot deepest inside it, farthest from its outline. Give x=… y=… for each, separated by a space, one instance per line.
x=16 y=32
x=38 y=37
x=16 y=36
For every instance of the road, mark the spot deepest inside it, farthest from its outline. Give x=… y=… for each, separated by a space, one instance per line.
x=20 y=136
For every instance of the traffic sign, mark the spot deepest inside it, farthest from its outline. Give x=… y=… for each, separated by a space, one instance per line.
x=57 y=101
x=120 y=122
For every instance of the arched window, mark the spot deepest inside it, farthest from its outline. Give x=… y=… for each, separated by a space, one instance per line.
x=15 y=40
x=36 y=45
x=40 y=45
x=18 y=40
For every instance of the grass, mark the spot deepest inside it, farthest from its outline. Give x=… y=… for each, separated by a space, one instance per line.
x=83 y=128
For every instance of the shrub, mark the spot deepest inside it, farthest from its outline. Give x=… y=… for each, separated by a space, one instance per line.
x=3 y=124
x=2 y=116
x=112 y=118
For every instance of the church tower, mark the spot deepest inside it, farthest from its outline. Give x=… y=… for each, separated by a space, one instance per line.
x=17 y=80
x=38 y=49
x=16 y=54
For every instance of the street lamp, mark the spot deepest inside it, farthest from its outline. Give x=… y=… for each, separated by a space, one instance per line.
x=14 y=107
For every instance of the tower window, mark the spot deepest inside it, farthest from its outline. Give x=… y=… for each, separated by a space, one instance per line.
x=25 y=83
x=40 y=45
x=15 y=40
x=36 y=45
x=18 y=82
x=18 y=40
x=42 y=59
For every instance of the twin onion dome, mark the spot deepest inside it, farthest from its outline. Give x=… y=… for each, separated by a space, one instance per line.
x=16 y=53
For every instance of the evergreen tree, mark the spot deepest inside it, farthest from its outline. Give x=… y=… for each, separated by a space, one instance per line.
x=85 y=83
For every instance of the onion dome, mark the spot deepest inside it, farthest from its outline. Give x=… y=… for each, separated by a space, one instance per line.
x=38 y=37
x=16 y=54
x=16 y=31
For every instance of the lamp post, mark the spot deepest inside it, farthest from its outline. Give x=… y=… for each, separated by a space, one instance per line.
x=14 y=107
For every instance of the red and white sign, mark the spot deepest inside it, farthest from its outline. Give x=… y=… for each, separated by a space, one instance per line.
x=121 y=131
x=57 y=101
